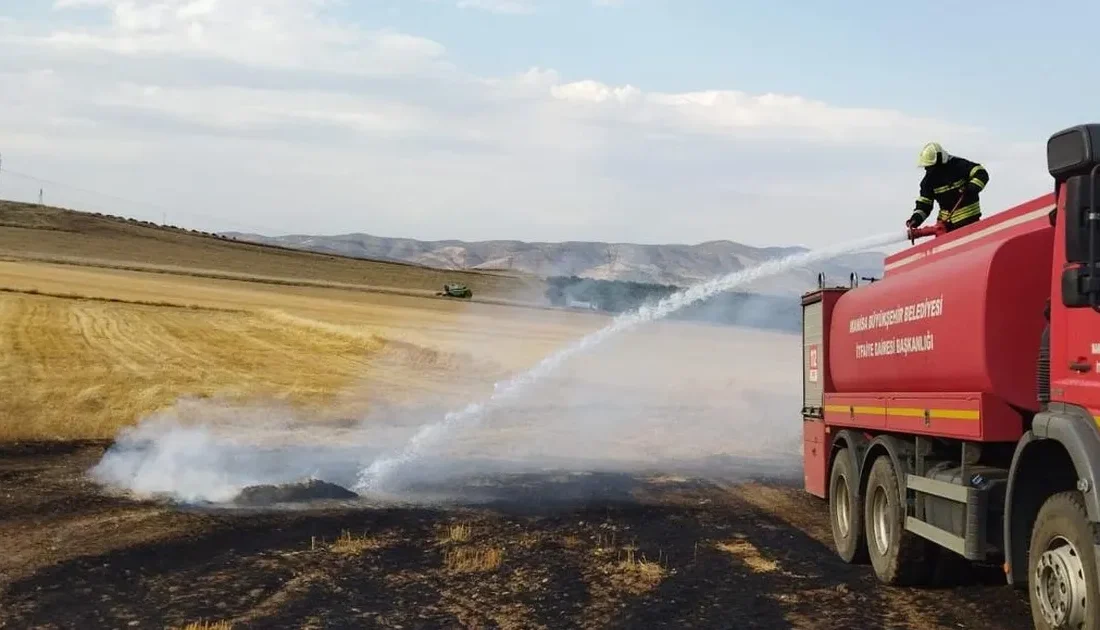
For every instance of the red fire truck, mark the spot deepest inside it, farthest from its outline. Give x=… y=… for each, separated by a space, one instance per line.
x=951 y=409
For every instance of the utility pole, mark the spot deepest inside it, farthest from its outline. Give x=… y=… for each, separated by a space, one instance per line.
x=39 y=196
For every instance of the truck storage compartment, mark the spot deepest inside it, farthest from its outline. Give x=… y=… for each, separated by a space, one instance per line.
x=817 y=309
x=815 y=456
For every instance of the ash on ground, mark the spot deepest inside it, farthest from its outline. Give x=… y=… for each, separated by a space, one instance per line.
x=301 y=492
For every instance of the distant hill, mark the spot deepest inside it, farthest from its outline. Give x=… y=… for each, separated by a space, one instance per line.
x=32 y=232
x=679 y=265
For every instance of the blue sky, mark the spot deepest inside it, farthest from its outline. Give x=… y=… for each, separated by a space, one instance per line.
x=645 y=121
x=981 y=62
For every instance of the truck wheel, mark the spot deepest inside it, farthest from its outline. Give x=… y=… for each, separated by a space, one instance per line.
x=1062 y=566
x=845 y=510
x=899 y=557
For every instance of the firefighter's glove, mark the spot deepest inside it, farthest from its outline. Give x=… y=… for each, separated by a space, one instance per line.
x=914 y=221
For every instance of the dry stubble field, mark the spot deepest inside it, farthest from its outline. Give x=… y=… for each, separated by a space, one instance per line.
x=675 y=501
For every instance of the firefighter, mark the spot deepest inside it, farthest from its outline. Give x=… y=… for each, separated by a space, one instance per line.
x=951 y=181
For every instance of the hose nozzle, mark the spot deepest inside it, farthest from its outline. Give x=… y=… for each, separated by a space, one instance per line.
x=938 y=229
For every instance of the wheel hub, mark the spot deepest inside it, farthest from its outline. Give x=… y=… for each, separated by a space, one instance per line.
x=1060 y=585
x=843 y=506
x=882 y=528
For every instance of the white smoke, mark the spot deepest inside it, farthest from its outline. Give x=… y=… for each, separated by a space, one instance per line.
x=374 y=477
x=675 y=396
x=205 y=450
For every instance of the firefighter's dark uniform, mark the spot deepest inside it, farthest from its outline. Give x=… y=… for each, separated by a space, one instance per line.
x=943 y=183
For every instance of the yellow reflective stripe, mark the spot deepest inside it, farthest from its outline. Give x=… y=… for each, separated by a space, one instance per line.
x=912 y=412
x=922 y=212
x=943 y=414
x=976 y=169
x=966 y=212
x=857 y=409
x=868 y=410
x=951 y=186
x=977 y=182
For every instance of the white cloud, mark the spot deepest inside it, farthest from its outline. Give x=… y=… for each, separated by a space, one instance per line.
x=520 y=7
x=273 y=115
x=279 y=33
x=499 y=6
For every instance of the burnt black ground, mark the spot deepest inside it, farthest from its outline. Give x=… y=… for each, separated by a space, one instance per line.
x=729 y=555
x=306 y=491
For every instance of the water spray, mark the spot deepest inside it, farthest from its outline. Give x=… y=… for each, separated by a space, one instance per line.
x=375 y=477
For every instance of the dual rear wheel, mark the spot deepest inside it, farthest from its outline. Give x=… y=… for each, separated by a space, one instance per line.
x=845 y=510
x=899 y=557
x=870 y=525
x=1063 y=576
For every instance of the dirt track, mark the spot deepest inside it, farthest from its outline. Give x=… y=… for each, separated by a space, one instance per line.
x=750 y=555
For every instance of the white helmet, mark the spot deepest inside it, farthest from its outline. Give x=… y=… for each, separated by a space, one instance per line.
x=931 y=153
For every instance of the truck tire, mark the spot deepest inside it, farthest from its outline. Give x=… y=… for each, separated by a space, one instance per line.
x=846 y=510
x=899 y=557
x=1062 y=574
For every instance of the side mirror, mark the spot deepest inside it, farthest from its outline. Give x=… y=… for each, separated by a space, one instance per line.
x=1082 y=226
x=1073 y=158
x=1081 y=278
x=1073 y=151
x=1075 y=285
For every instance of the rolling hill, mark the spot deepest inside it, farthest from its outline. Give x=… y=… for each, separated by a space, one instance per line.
x=505 y=271
x=679 y=265
x=43 y=233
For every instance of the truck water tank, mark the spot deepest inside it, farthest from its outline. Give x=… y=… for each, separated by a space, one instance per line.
x=968 y=320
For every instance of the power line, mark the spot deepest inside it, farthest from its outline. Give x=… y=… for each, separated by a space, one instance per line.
x=164 y=209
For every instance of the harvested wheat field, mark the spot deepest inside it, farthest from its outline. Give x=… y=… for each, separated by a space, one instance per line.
x=155 y=429
x=42 y=233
